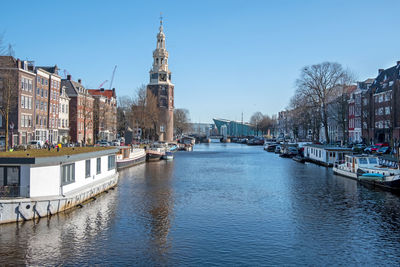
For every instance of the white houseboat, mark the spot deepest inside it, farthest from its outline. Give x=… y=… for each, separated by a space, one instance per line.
x=325 y=155
x=39 y=183
x=367 y=169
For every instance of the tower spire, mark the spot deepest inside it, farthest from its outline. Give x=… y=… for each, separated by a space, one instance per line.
x=161 y=22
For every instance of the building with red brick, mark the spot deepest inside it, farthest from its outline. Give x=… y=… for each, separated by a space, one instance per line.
x=41 y=105
x=80 y=111
x=104 y=114
x=53 y=103
x=20 y=77
x=355 y=111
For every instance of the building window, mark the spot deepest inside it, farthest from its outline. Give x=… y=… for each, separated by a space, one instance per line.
x=111 y=162
x=98 y=165
x=387 y=110
x=388 y=96
x=68 y=174
x=87 y=168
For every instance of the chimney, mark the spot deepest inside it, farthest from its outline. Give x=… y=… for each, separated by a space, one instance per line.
x=380 y=71
x=68 y=77
x=101 y=89
x=80 y=81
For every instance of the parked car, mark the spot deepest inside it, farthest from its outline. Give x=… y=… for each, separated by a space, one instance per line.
x=382 y=144
x=371 y=149
x=383 y=150
x=358 y=148
x=36 y=143
x=278 y=149
x=104 y=143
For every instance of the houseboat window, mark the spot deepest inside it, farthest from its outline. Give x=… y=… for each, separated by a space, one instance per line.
x=87 y=168
x=9 y=176
x=373 y=161
x=68 y=174
x=111 y=162
x=98 y=166
x=362 y=161
x=9 y=181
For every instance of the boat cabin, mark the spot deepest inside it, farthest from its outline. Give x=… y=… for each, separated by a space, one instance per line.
x=325 y=155
x=355 y=162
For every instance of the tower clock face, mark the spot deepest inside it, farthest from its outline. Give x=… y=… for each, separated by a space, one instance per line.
x=163 y=77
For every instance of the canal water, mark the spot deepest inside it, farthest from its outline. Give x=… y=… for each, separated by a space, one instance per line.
x=222 y=204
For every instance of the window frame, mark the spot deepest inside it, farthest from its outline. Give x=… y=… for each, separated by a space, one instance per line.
x=87 y=168
x=71 y=179
x=98 y=165
x=111 y=163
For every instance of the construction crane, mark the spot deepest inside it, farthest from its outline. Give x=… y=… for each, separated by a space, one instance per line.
x=101 y=85
x=112 y=77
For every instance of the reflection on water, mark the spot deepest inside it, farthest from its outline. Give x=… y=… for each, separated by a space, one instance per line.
x=223 y=204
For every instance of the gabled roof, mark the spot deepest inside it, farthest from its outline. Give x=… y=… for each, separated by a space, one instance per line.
x=71 y=87
x=51 y=69
x=386 y=79
x=101 y=92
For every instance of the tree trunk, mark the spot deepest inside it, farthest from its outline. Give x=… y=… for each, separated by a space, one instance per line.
x=7 y=139
x=325 y=121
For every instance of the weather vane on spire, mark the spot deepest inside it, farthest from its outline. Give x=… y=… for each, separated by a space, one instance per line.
x=161 y=18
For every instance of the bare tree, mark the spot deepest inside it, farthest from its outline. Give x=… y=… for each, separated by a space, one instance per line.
x=5 y=50
x=98 y=119
x=125 y=114
x=137 y=110
x=255 y=120
x=8 y=97
x=3 y=47
x=319 y=84
x=151 y=115
x=87 y=114
x=181 y=121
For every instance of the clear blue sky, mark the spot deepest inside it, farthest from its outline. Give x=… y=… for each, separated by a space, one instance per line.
x=226 y=57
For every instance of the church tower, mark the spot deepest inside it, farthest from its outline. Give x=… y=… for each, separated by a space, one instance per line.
x=162 y=88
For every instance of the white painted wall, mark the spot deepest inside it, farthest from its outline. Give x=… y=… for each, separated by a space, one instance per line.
x=313 y=153
x=45 y=181
x=80 y=179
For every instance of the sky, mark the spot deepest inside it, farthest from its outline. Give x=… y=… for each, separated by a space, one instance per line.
x=226 y=57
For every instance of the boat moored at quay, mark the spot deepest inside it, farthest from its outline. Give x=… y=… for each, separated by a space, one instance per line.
x=366 y=169
x=40 y=183
x=325 y=155
x=129 y=156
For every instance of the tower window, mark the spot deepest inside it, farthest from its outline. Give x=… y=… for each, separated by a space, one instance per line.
x=156 y=60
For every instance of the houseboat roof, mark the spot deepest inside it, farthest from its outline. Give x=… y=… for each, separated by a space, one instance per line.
x=51 y=157
x=330 y=148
